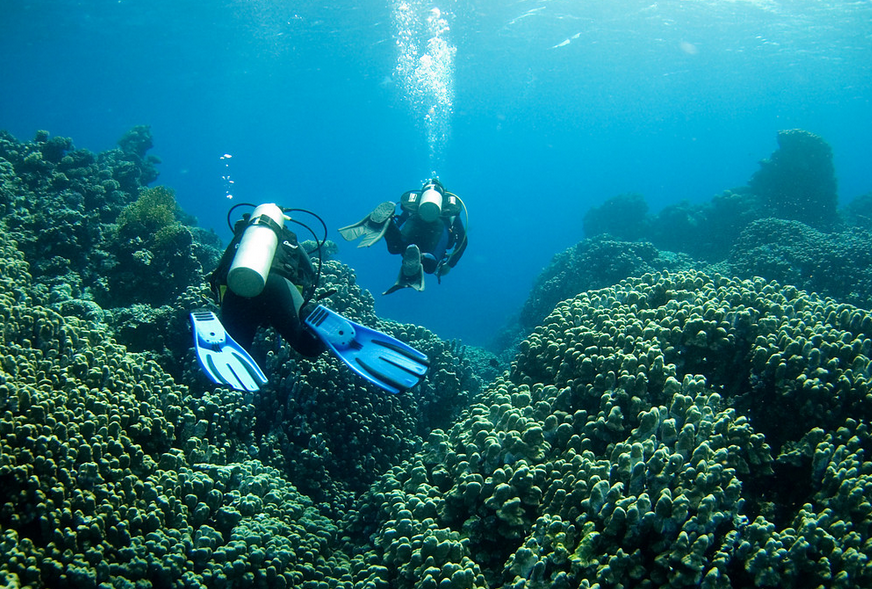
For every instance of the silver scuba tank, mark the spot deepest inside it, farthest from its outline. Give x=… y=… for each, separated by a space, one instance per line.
x=430 y=203
x=250 y=268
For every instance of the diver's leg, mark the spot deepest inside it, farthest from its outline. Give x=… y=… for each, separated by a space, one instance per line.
x=284 y=305
x=240 y=318
x=395 y=239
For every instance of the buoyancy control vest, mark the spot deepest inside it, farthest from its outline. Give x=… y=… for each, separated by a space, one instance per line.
x=289 y=260
x=448 y=205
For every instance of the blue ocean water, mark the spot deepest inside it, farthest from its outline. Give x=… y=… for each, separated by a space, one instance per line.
x=531 y=111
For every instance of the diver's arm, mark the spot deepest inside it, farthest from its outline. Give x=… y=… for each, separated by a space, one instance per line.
x=460 y=243
x=218 y=276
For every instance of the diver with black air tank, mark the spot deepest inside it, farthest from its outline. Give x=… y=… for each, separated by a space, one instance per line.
x=266 y=279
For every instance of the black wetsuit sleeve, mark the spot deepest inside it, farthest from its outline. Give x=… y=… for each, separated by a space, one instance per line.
x=394 y=236
x=460 y=242
x=311 y=276
x=218 y=277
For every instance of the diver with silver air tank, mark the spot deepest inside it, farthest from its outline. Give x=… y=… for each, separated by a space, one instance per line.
x=429 y=233
x=266 y=278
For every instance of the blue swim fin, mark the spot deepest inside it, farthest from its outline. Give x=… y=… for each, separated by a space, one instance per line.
x=379 y=358
x=222 y=359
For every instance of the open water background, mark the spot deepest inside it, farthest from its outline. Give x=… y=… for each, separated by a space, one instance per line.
x=531 y=111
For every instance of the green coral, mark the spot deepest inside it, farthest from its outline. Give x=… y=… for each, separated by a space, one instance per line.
x=592 y=263
x=336 y=445
x=857 y=212
x=154 y=211
x=66 y=213
x=630 y=443
x=836 y=264
x=138 y=168
x=137 y=141
x=798 y=181
x=672 y=430
x=151 y=247
x=110 y=472
x=623 y=217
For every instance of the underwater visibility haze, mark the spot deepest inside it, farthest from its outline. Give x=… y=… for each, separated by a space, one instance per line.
x=531 y=111
x=652 y=366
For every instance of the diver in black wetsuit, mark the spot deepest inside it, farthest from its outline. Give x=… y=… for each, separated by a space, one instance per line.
x=428 y=232
x=290 y=282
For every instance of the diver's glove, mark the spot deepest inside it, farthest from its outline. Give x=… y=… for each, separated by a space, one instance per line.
x=441 y=270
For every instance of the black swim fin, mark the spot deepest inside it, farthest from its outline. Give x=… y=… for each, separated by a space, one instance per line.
x=372 y=227
x=411 y=272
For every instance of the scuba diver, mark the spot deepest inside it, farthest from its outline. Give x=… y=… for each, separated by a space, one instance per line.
x=428 y=233
x=266 y=279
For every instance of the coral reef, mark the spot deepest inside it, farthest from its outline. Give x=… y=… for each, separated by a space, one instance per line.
x=592 y=263
x=798 y=181
x=641 y=440
x=334 y=433
x=858 y=212
x=112 y=473
x=706 y=231
x=153 y=254
x=834 y=264
x=675 y=429
x=89 y=227
x=623 y=217
x=99 y=243
x=106 y=474
x=783 y=226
